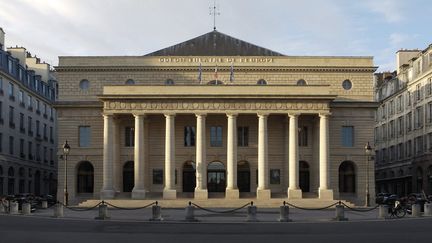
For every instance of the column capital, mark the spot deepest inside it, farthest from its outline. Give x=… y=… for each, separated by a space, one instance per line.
x=324 y=114
x=199 y=114
x=263 y=114
x=169 y=114
x=139 y=115
x=108 y=115
x=231 y=114
x=293 y=114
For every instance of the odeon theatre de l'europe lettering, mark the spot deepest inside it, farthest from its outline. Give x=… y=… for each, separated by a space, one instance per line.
x=216 y=117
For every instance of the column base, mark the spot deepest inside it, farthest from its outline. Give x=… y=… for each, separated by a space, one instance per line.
x=138 y=194
x=326 y=194
x=232 y=194
x=201 y=194
x=294 y=194
x=107 y=194
x=169 y=194
x=263 y=194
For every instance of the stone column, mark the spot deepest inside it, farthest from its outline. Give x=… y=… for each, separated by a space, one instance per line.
x=232 y=190
x=169 y=190
x=107 y=191
x=293 y=187
x=263 y=191
x=201 y=164
x=138 y=192
x=324 y=191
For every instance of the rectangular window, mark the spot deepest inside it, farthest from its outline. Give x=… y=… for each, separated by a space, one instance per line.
x=37 y=128
x=21 y=97
x=51 y=156
x=429 y=112
x=45 y=112
x=400 y=125
x=189 y=136
x=30 y=150
x=408 y=98
x=274 y=176
x=392 y=129
x=216 y=136
x=400 y=151
x=157 y=176
x=1 y=112
x=11 y=90
x=29 y=102
x=348 y=136
x=129 y=136
x=84 y=136
x=418 y=117
x=418 y=90
x=45 y=136
x=11 y=145
x=408 y=148
x=22 y=122
x=429 y=138
x=303 y=137
x=38 y=106
x=51 y=135
x=30 y=126
x=38 y=152
x=409 y=121
x=21 y=148
x=1 y=142
x=243 y=136
x=11 y=117
x=45 y=154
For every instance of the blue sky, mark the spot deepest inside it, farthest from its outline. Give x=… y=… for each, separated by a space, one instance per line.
x=52 y=28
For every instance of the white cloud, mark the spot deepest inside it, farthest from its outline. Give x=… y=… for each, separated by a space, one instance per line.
x=393 y=11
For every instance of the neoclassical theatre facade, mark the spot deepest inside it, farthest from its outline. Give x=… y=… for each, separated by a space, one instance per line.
x=216 y=117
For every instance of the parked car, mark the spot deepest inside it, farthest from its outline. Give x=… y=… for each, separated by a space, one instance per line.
x=381 y=197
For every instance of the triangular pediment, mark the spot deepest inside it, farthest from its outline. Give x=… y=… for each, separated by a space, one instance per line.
x=214 y=43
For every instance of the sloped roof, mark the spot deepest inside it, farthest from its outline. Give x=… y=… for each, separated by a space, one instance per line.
x=214 y=43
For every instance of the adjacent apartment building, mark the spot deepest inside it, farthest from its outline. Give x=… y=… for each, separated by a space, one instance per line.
x=28 y=162
x=403 y=131
x=216 y=117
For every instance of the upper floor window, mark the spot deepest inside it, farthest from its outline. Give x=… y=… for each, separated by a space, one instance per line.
x=189 y=136
x=129 y=136
x=29 y=101
x=11 y=90
x=301 y=82
x=84 y=136
x=21 y=97
x=84 y=84
x=243 y=136
x=262 y=82
x=130 y=82
x=346 y=84
x=303 y=137
x=348 y=136
x=216 y=136
x=169 y=82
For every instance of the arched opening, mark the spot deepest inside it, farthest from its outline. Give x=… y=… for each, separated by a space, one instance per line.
x=419 y=178
x=304 y=176
x=261 y=82
x=301 y=82
x=21 y=183
x=169 y=82
x=130 y=82
x=243 y=176
x=189 y=179
x=216 y=177
x=128 y=176
x=347 y=177
x=85 y=177
x=11 y=181
x=37 y=183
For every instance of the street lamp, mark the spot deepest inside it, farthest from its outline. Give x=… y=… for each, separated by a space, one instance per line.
x=368 y=152
x=66 y=150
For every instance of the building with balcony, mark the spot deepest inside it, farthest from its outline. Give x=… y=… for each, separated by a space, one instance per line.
x=216 y=117
x=28 y=124
x=403 y=130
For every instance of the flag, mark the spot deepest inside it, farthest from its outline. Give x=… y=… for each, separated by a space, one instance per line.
x=216 y=73
x=232 y=72
x=200 y=74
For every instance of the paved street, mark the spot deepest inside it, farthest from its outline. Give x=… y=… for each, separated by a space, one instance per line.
x=45 y=229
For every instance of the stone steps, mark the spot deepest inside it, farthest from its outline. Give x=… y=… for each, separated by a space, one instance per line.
x=218 y=202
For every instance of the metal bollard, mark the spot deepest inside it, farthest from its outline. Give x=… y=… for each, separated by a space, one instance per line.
x=383 y=211
x=284 y=213
x=427 y=209
x=190 y=214
x=340 y=213
x=26 y=209
x=415 y=210
x=251 y=213
x=103 y=211
x=13 y=207
x=156 y=213
x=44 y=204
x=58 y=210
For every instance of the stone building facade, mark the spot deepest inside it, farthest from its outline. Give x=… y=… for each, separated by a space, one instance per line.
x=403 y=130
x=216 y=117
x=28 y=124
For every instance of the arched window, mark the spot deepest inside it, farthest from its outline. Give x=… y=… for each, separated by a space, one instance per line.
x=21 y=183
x=169 y=82
x=189 y=179
x=346 y=84
x=128 y=176
x=37 y=183
x=347 y=177
x=304 y=176
x=262 y=82
x=85 y=177
x=216 y=181
x=243 y=176
x=215 y=82
x=419 y=175
x=130 y=82
x=84 y=84
x=301 y=82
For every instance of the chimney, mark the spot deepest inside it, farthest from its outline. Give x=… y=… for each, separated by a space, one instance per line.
x=403 y=57
x=2 y=39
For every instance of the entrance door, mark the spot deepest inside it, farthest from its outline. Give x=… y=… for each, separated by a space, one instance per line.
x=216 y=180
x=304 y=176
x=243 y=176
x=128 y=176
x=189 y=179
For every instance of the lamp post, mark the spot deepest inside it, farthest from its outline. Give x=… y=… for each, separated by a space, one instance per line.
x=368 y=151
x=66 y=150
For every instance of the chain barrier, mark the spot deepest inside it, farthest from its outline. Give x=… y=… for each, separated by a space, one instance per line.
x=81 y=209
x=222 y=212
x=302 y=208
x=360 y=210
x=137 y=208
